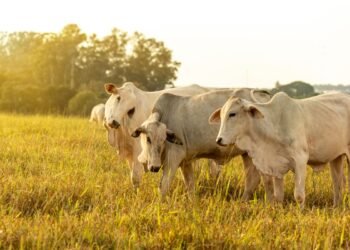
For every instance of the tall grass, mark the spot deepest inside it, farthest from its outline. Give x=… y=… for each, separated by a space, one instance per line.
x=62 y=186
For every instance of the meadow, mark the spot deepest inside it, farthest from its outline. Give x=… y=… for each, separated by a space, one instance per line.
x=63 y=186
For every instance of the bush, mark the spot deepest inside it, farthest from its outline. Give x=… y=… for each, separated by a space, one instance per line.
x=57 y=98
x=82 y=103
x=35 y=99
x=22 y=99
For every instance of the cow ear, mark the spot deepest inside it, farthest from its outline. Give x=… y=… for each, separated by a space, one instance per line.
x=171 y=137
x=254 y=111
x=215 y=117
x=110 y=88
x=137 y=132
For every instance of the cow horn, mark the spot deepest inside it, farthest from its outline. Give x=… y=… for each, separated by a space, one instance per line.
x=260 y=91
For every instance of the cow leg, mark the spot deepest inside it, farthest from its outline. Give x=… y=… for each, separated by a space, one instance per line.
x=214 y=169
x=348 y=162
x=343 y=173
x=299 y=188
x=337 y=177
x=188 y=177
x=167 y=177
x=252 y=177
x=278 y=187
x=268 y=184
x=137 y=170
x=170 y=166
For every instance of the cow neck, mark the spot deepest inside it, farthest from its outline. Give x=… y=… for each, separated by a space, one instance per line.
x=144 y=103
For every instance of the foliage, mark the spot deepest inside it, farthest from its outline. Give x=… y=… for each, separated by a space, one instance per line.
x=82 y=103
x=63 y=187
x=150 y=63
x=29 y=99
x=296 y=89
x=32 y=62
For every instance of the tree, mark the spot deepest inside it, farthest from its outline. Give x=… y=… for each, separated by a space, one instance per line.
x=69 y=39
x=92 y=61
x=296 y=89
x=150 y=63
x=103 y=60
x=46 y=69
x=116 y=44
x=16 y=55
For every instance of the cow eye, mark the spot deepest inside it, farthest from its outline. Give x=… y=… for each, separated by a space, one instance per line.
x=118 y=98
x=148 y=140
x=232 y=114
x=131 y=112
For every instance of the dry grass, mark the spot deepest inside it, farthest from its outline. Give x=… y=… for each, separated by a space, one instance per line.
x=62 y=186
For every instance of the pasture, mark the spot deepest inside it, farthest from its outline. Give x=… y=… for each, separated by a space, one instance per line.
x=62 y=186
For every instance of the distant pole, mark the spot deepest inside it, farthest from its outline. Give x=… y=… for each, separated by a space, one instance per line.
x=246 y=77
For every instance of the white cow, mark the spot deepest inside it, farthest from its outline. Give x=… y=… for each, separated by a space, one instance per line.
x=178 y=132
x=97 y=113
x=125 y=110
x=287 y=134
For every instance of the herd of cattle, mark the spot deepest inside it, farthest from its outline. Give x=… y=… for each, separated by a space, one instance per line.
x=273 y=134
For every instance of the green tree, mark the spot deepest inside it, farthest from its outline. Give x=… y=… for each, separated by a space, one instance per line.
x=56 y=58
x=45 y=70
x=115 y=45
x=150 y=63
x=92 y=61
x=16 y=55
x=69 y=39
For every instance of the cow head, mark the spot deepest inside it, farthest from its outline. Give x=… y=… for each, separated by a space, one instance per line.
x=121 y=103
x=154 y=135
x=235 y=118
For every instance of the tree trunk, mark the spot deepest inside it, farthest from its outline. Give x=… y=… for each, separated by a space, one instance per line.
x=72 y=71
x=51 y=75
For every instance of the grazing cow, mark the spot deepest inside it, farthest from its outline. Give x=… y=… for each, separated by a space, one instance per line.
x=125 y=110
x=178 y=131
x=97 y=113
x=287 y=134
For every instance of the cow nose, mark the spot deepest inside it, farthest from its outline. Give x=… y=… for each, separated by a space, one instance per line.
x=114 y=124
x=154 y=169
x=219 y=141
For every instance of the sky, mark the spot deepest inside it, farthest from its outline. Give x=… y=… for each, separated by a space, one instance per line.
x=246 y=43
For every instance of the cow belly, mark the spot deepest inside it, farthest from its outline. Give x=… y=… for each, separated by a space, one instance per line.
x=322 y=155
x=217 y=154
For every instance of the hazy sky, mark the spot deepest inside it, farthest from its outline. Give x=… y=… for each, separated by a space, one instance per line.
x=219 y=43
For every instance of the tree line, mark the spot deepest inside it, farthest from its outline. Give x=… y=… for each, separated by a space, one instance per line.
x=64 y=72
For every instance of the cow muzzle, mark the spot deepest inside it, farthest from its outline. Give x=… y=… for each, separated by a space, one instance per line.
x=114 y=124
x=154 y=169
x=219 y=142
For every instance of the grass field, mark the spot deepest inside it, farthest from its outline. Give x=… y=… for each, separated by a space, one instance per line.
x=62 y=186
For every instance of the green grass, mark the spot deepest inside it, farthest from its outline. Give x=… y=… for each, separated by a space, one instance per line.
x=62 y=186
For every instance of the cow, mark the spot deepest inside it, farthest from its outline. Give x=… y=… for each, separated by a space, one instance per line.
x=178 y=132
x=287 y=134
x=125 y=110
x=97 y=113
